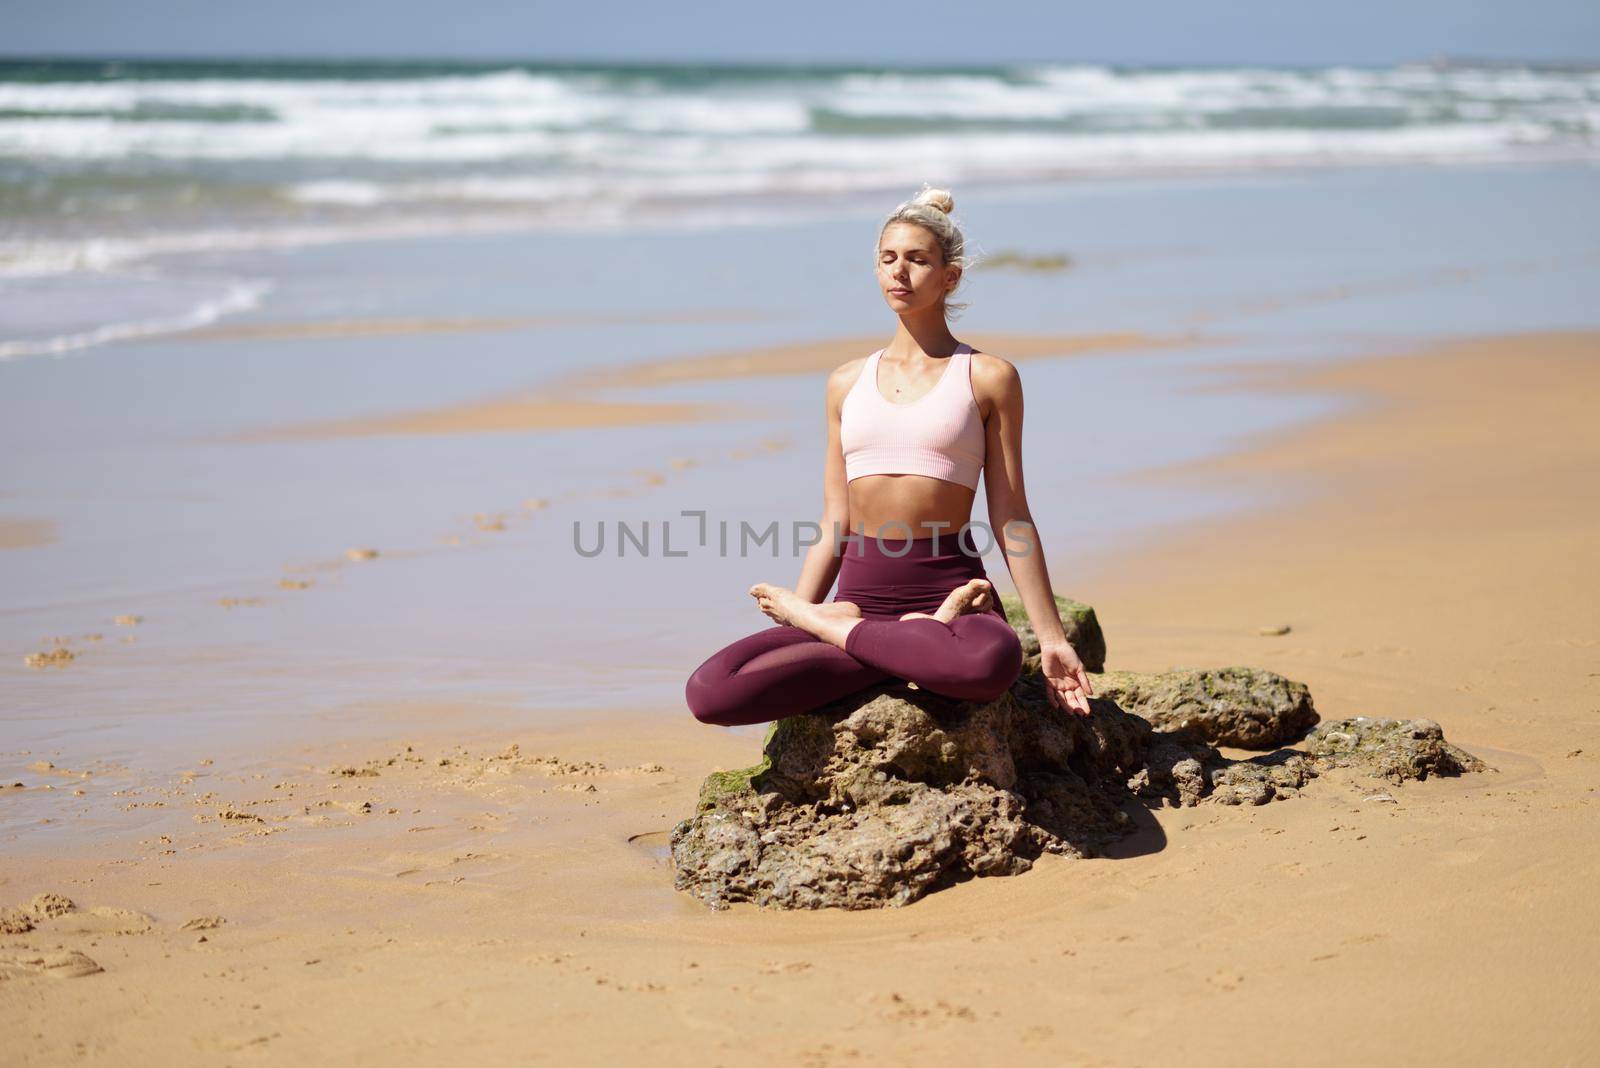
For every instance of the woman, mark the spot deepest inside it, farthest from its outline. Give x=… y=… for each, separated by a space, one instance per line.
x=910 y=428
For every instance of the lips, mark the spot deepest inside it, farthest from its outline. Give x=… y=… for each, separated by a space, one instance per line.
x=901 y=291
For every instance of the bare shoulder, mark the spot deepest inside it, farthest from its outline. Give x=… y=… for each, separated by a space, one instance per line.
x=994 y=377
x=841 y=378
x=849 y=369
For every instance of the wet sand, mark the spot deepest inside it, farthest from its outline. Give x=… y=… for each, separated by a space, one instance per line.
x=502 y=894
x=25 y=533
x=570 y=401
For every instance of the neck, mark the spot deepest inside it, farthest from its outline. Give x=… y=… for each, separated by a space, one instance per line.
x=924 y=333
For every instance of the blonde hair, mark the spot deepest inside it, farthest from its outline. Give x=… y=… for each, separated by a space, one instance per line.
x=931 y=209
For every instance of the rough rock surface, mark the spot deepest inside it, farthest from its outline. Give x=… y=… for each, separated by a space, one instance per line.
x=1238 y=706
x=1078 y=619
x=891 y=793
x=1393 y=749
x=902 y=792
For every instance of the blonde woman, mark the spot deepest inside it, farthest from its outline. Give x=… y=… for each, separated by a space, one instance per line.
x=910 y=430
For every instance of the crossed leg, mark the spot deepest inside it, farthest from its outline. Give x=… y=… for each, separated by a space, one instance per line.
x=969 y=654
x=773 y=673
x=974 y=657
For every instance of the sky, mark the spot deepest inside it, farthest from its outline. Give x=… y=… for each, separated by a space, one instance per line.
x=927 y=32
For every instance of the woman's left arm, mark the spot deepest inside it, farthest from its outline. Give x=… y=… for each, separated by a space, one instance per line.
x=997 y=380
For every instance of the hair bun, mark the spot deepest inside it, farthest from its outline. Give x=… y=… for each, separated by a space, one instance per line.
x=936 y=198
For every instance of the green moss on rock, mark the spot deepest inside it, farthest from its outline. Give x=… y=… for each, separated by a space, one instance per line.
x=724 y=785
x=1238 y=706
x=1077 y=619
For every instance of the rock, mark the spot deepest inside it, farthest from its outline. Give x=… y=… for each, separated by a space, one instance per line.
x=1392 y=749
x=893 y=792
x=47 y=906
x=1237 y=706
x=899 y=792
x=60 y=656
x=43 y=907
x=1275 y=630
x=1185 y=772
x=1273 y=777
x=15 y=921
x=1083 y=631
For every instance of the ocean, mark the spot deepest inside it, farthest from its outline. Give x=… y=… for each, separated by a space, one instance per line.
x=125 y=184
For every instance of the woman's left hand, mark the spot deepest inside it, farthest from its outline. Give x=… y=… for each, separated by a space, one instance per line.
x=1065 y=682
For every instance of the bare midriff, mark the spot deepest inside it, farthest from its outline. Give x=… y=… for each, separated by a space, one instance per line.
x=908 y=506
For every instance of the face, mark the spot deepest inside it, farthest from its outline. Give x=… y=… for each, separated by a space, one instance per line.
x=911 y=271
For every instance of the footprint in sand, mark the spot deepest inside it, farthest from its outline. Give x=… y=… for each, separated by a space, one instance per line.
x=902 y=1009
x=1226 y=980
x=656 y=844
x=475 y=863
x=105 y=920
x=44 y=767
x=59 y=657
x=61 y=915
x=59 y=964
x=489 y=523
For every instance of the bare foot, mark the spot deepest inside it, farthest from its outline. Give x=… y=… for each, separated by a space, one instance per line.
x=786 y=606
x=975 y=596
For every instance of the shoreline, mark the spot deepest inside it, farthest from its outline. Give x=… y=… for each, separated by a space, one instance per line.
x=217 y=317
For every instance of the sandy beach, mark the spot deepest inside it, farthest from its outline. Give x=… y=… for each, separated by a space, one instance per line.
x=569 y=401
x=396 y=412
x=426 y=891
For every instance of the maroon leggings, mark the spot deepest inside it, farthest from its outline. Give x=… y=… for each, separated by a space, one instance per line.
x=783 y=670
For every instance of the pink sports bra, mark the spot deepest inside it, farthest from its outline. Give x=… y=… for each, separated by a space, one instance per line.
x=940 y=434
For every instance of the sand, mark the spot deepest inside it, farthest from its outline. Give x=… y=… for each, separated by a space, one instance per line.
x=26 y=533
x=502 y=896
x=573 y=401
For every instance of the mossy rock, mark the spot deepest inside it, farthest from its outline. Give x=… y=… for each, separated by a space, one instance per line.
x=789 y=753
x=1249 y=708
x=725 y=785
x=890 y=794
x=1392 y=749
x=1077 y=619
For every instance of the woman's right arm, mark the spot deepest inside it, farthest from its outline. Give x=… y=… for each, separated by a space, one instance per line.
x=822 y=566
